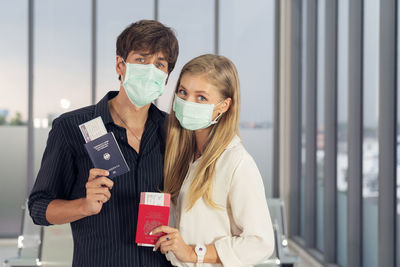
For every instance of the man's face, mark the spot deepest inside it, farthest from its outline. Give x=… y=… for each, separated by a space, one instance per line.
x=142 y=57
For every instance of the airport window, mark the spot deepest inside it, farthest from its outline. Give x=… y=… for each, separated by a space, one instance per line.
x=13 y=113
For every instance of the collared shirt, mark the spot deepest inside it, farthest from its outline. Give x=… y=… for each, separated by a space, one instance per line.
x=241 y=229
x=108 y=238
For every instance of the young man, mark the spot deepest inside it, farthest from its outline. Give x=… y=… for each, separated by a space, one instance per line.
x=103 y=212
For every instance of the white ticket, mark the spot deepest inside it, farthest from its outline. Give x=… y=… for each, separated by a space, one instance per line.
x=156 y=199
x=93 y=129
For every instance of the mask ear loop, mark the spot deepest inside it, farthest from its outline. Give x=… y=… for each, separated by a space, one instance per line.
x=219 y=114
x=217 y=118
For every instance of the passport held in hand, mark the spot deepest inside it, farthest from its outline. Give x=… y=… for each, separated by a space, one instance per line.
x=105 y=154
x=153 y=212
x=103 y=148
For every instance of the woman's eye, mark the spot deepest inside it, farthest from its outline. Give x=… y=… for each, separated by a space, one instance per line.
x=160 y=65
x=140 y=60
x=201 y=98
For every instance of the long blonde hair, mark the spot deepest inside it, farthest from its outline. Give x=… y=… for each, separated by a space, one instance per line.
x=180 y=144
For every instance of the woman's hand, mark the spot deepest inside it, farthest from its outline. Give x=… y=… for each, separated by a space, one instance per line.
x=173 y=241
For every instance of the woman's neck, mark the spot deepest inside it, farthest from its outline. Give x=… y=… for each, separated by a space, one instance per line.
x=201 y=139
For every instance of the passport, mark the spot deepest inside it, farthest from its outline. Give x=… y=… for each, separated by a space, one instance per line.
x=106 y=154
x=153 y=212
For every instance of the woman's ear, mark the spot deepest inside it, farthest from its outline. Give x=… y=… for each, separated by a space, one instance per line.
x=224 y=106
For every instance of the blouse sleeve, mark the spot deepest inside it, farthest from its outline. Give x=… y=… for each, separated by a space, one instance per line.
x=250 y=215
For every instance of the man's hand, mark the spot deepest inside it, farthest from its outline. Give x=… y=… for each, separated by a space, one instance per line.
x=97 y=191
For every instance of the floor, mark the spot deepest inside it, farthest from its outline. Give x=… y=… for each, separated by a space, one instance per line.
x=8 y=249
x=57 y=250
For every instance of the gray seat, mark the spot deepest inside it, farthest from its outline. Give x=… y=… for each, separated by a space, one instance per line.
x=282 y=256
x=273 y=260
x=29 y=243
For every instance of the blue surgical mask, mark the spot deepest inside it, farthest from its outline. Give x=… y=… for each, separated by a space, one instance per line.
x=143 y=83
x=194 y=116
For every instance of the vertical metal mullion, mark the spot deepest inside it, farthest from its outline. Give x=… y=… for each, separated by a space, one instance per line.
x=156 y=9
x=295 y=118
x=276 y=142
x=94 y=50
x=309 y=74
x=216 y=27
x=387 y=134
x=30 y=158
x=156 y=17
x=330 y=165
x=355 y=134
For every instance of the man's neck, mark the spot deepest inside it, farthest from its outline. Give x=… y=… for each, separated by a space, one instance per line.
x=133 y=116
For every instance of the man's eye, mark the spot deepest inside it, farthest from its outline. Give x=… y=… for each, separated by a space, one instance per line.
x=182 y=92
x=140 y=60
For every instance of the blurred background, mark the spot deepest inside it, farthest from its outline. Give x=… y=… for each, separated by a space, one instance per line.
x=319 y=107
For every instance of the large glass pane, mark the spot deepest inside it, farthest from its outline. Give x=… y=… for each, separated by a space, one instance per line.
x=342 y=125
x=112 y=18
x=193 y=22
x=370 y=140
x=62 y=63
x=320 y=123
x=303 y=115
x=398 y=138
x=13 y=114
x=252 y=51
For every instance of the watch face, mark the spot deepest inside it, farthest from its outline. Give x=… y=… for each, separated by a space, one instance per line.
x=200 y=250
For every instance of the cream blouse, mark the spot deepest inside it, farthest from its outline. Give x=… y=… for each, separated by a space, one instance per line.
x=242 y=230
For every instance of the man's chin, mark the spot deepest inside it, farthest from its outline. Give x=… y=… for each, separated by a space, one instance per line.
x=137 y=108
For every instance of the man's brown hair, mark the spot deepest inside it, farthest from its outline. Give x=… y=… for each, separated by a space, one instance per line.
x=151 y=36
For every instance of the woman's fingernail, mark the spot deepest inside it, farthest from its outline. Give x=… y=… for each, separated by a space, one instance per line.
x=154 y=249
x=150 y=233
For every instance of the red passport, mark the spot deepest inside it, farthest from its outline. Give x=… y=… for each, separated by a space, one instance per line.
x=153 y=212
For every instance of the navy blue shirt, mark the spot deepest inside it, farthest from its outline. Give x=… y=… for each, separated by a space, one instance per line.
x=108 y=238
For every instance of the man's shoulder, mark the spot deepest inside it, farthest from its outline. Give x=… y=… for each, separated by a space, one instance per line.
x=75 y=117
x=157 y=112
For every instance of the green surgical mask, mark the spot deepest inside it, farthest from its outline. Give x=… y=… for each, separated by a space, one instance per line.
x=194 y=116
x=143 y=83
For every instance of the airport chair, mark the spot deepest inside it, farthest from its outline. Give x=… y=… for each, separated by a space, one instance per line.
x=29 y=243
x=277 y=211
x=273 y=260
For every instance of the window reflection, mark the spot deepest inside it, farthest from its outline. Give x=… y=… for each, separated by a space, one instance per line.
x=370 y=146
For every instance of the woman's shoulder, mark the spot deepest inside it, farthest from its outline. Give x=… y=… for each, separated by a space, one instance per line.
x=236 y=154
x=236 y=149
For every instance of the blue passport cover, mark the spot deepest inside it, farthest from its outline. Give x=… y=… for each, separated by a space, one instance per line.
x=106 y=154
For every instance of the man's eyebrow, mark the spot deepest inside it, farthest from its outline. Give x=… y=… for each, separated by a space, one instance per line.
x=148 y=54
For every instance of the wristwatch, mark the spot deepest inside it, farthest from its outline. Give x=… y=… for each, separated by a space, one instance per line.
x=201 y=252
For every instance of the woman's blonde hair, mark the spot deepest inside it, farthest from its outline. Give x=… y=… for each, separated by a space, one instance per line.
x=180 y=145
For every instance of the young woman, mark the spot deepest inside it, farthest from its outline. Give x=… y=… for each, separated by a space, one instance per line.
x=221 y=214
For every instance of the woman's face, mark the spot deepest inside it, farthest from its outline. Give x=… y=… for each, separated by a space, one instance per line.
x=195 y=88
